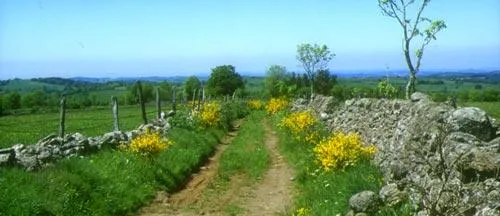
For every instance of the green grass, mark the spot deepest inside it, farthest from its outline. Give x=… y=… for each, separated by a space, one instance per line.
x=28 y=129
x=247 y=154
x=246 y=158
x=110 y=182
x=328 y=193
x=492 y=108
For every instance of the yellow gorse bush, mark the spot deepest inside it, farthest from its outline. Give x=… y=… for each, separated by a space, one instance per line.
x=255 y=104
x=341 y=150
x=298 y=122
x=275 y=105
x=149 y=143
x=210 y=114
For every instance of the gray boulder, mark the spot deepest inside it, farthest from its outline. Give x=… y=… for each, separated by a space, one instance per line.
x=473 y=121
x=419 y=97
x=390 y=195
x=6 y=156
x=365 y=201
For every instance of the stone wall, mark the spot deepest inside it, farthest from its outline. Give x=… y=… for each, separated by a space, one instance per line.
x=53 y=148
x=446 y=160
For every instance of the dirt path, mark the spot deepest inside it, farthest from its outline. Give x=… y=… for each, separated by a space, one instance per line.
x=270 y=196
x=273 y=195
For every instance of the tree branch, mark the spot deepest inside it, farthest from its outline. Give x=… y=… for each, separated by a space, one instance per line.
x=417 y=21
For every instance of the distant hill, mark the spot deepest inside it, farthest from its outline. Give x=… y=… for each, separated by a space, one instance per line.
x=174 y=79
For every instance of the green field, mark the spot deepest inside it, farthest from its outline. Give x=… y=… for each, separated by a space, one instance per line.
x=492 y=108
x=28 y=129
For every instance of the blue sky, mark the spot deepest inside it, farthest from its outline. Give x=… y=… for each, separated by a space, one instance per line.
x=97 y=38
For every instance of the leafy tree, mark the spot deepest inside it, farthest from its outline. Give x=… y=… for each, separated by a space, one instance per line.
x=400 y=10
x=190 y=85
x=148 y=93
x=324 y=82
x=13 y=100
x=33 y=99
x=274 y=81
x=224 y=81
x=313 y=58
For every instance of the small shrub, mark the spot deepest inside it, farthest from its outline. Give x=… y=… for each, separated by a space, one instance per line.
x=341 y=150
x=149 y=143
x=386 y=90
x=276 y=105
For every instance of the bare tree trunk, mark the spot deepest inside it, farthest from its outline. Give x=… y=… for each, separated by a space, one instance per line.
x=158 y=103
x=115 y=113
x=141 y=101
x=410 y=86
x=312 y=90
x=62 y=117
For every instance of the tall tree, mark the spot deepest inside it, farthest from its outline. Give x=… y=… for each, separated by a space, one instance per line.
x=224 y=81
x=313 y=58
x=190 y=85
x=400 y=10
x=275 y=76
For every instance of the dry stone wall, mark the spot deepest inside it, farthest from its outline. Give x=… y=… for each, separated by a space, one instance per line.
x=445 y=160
x=53 y=148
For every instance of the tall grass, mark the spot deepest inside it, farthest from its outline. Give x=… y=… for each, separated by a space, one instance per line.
x=110 y=182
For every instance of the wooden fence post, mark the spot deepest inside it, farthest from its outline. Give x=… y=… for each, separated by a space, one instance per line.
x=115 y=114
x=63 y=116
x=158 y=103
x=199 y=99
x=173 y=99
x=194 y=99
x=141 y=101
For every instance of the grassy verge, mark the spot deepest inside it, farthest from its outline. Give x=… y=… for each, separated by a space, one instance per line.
x=110 y=182
x=246 y=157
x=247 y=154
x=328 y=193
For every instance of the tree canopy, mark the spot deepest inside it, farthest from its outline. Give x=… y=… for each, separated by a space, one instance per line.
x=275 y=78
x=224 y=81
x=313 y=58
x=191 y=85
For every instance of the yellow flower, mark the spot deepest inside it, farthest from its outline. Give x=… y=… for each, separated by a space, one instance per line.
x=341 y=150
x=301 y=125
x=303 y=212
x=149 y=143
x=210 y=114
x=255 y=104
x=275 y=105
